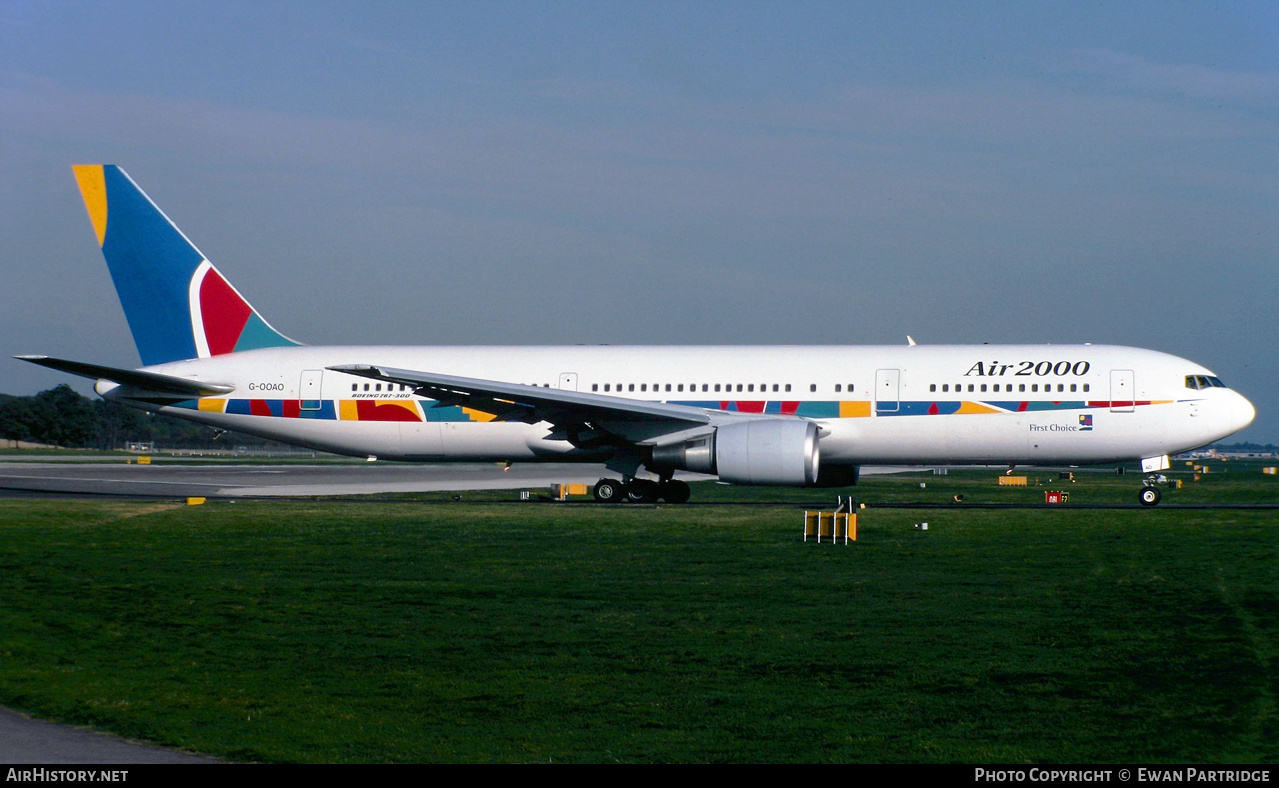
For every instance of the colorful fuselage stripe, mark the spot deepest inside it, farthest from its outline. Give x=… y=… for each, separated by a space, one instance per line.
x=340 y=410
x=932 y=408
x=421 y=410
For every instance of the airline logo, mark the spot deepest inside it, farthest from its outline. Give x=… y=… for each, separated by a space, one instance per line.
x=221 y=320
x=1085 y=423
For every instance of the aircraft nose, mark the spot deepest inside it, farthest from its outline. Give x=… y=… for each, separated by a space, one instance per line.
x=1244 y=412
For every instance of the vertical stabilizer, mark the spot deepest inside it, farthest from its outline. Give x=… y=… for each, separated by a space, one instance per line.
x=178 y=305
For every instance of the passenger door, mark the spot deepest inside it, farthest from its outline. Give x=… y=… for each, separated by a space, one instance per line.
x=1123 y=391
x=887 y=390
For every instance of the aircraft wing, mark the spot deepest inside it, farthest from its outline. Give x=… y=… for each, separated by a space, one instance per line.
x=582 y=417
x=149 y=381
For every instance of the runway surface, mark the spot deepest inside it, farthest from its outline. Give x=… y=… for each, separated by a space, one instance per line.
x=27 y=740
x=180 y=480
x=230 y=479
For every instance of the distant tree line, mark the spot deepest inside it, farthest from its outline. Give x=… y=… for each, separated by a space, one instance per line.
x=1245 y=447
x=61 y=416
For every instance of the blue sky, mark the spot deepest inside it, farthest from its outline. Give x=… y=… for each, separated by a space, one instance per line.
x=817 y=173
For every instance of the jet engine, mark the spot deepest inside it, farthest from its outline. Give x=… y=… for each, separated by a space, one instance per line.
x=767 y=451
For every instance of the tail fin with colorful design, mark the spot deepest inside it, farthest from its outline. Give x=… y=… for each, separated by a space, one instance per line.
x=178 y=305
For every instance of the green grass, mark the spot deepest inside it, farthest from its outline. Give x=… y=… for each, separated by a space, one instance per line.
x=392 y=632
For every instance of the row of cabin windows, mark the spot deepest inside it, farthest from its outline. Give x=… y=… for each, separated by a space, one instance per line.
x=643 y=387
x=1192 y=381
x=692 y=387
x=1021 y=387
x=706 y=387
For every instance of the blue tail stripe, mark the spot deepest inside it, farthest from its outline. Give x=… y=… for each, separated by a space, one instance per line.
x=151 y=264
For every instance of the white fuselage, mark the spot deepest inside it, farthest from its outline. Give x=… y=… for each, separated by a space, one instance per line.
x=1024 y=404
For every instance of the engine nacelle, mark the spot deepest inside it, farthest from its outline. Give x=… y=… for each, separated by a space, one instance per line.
x=767 y=451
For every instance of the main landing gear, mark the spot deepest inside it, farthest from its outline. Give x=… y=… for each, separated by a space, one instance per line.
x=641 y=491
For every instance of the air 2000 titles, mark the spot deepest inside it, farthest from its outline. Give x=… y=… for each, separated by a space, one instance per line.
x=1027 y=368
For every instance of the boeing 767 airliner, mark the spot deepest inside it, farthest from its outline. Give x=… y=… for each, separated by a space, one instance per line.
x=779 y=415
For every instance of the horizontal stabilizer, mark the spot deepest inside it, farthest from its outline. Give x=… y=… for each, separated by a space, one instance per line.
x=151 y=381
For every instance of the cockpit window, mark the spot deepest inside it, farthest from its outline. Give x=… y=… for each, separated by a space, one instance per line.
x=1198 y=382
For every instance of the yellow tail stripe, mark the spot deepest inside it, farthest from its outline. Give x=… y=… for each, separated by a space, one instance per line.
x=93 y=188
